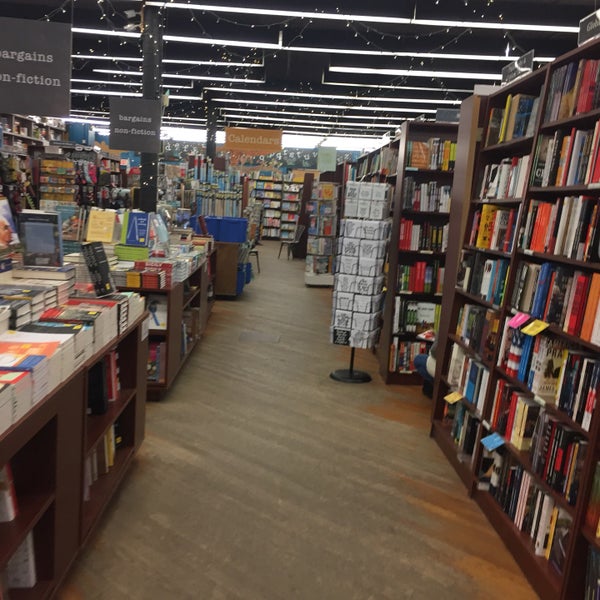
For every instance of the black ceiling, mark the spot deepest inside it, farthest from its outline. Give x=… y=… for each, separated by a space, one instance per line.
x=368 y=108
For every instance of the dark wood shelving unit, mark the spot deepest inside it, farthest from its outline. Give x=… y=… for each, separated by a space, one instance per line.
x=189 y=294
x=410 y=132
x=472 y=158
x=47 y=450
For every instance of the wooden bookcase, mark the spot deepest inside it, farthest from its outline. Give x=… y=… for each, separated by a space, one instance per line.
x=430 y=255
x=267 y=188
x=290 y=208
x=473 y=157
x=47 y=450
x=192 y=295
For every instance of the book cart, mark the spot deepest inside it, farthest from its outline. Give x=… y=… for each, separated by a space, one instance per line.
x=416 y=261
x=518 y=359
x=47 y=450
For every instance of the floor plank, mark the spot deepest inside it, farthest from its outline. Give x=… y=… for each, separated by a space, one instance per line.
x=262 y=478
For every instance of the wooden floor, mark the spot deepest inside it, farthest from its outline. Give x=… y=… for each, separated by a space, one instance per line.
x=262 y=478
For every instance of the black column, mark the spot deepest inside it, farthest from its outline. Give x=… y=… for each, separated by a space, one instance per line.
x=211 y=126
x=152 y=49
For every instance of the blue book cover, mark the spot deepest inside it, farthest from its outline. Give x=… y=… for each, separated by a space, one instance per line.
x=137 y=227
x=500 y=283
x=541 y=294
x=525 y=357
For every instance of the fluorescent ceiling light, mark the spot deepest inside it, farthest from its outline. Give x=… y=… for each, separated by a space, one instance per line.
x=317 y=106
x=170 y=61
x=315 y=121
x=129 y=83
x=362 y=18
x=84 y=120
x=309 y=128
x=106 y=93
x=174 y=76
x=415 y=73
x=219 y=42
x=438 y=55
x=180 y=97
x=119 y=33
x=113 y=58
x=285 y=113
x=337 y=96
x=397 y=87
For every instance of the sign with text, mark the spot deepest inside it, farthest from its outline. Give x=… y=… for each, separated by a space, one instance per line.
x=326 y=159
x=589 y=28
x=252 y=141
x=135 y=124
x=522 y=66
x=35 y=67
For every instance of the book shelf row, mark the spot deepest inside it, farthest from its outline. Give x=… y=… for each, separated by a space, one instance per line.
x=518 y=373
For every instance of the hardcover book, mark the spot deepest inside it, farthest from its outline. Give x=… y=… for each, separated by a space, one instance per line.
x=41 y=237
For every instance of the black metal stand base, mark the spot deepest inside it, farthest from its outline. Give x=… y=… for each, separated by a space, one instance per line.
x=348 y=376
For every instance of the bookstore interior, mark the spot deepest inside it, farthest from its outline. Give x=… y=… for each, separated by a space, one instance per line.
x=452 y=212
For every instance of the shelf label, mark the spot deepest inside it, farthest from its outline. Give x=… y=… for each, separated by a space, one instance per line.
x=522 y=66
x=492 y=441
x=589 y=28
x=486 y=424
x=519 y=319
x=535 y=327
x=453 y=397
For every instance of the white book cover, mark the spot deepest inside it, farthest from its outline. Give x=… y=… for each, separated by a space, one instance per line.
x=543 y=531
x=8 y=498
x=20 y=569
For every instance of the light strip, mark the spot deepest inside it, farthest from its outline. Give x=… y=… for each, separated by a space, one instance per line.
x=242 y=123
x=174 y=76
x=397 y=87
x=415 y=73
x=306 y=114
x=111 y=32
x=316 y=121
x=131 y=83
x=364 y=18
x=334 y=106
x=171 y=61
x=219 y=42
x=439 y=55
x=132 y=94
x=336 y=96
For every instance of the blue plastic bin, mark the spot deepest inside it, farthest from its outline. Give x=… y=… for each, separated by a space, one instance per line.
x=248 y=268
x=213 y=224
x=233 y=229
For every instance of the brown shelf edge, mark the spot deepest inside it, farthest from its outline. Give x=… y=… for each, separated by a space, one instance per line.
x=441 y=435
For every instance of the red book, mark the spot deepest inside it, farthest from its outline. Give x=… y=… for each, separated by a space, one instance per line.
x=578 y=308
x=511 y=415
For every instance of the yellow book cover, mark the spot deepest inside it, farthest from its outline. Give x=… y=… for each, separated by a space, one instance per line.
x=134 y=279
x=486 y=226
x=446 y=155
x=101 y=225
x=551 y=532
x=327 y=191
x=504 y=124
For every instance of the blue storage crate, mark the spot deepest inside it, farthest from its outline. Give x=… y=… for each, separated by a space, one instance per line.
x=213 y=224
x=248 y=271
x=233 y=230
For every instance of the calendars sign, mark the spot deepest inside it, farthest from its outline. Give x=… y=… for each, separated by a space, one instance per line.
x=35 y=67
x=135 y=124
x=252 y=141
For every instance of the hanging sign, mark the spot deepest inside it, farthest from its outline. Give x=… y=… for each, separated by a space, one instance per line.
x=35 y=67
x=522 y=66
x=589 y=28
x=326 y=159
x=252 y=141
x=135 y=124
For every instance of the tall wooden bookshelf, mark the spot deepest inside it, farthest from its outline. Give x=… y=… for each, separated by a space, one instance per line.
x=416 y=261
x=479 y=359
x=266 y=187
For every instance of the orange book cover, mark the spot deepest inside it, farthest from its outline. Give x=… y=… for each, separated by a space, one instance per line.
x=541 y=226
x=591 y=308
